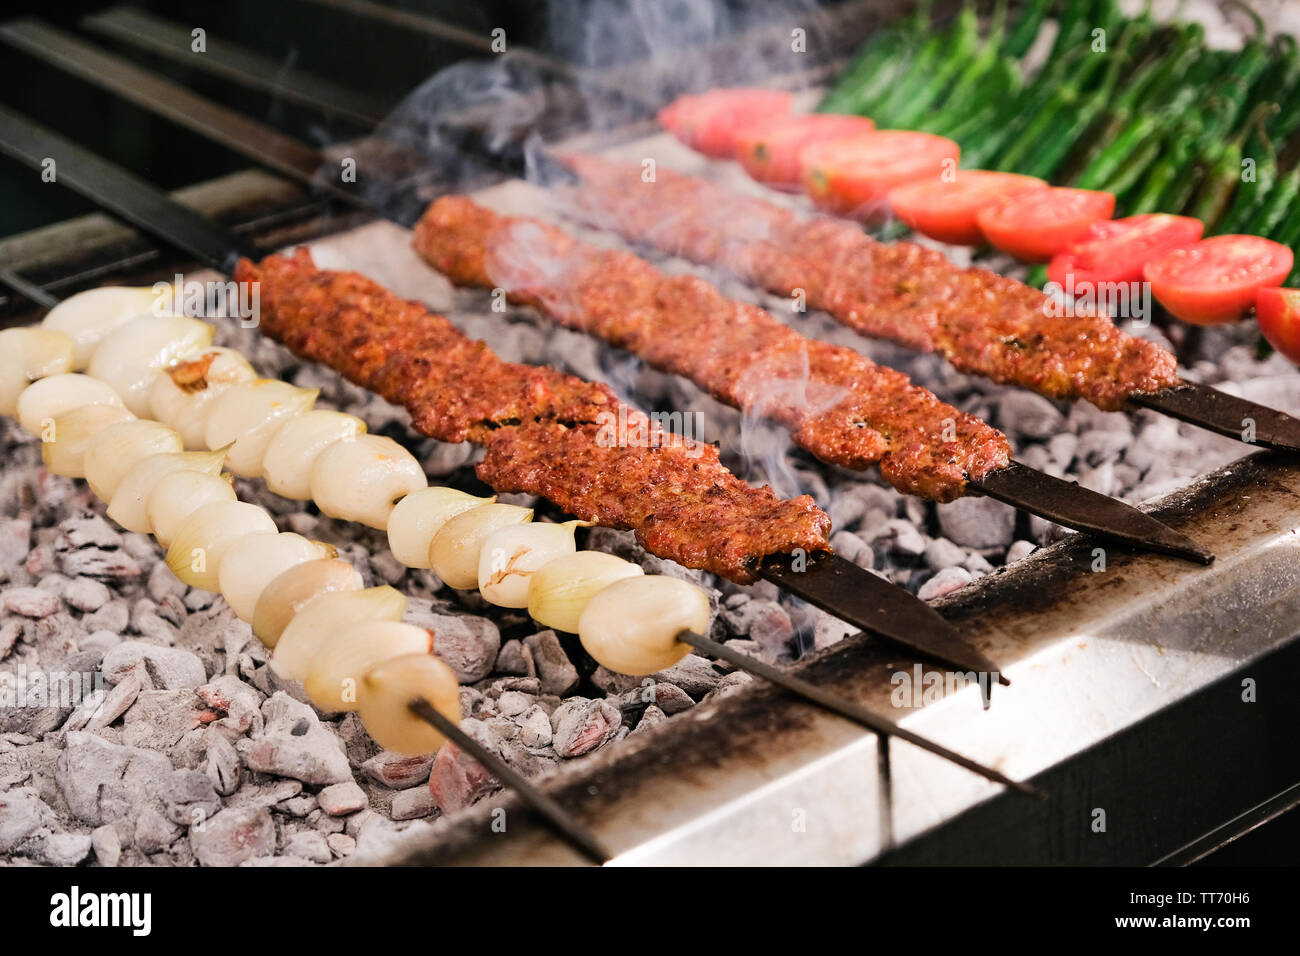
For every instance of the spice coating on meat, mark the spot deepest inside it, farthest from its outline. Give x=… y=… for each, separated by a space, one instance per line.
x=982 y=323
x=838 y=404
x=543 y=428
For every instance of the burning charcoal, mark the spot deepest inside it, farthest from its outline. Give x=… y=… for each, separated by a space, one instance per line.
x=1020 y=550
x=652 y=717
x=22 y=815
x=457 y=779
x=114 y=704
x=1026 y=415
x=87 y=594
x=941 y=553
x=945 y=582
x=468 y=645
x=222 y=765
x=1096 y=447
x=270 y=794
x=153 y=831
x=29 y=602
x=977 y=522
x=1062 y=449
x=10 y=632
x=342 y=798
x=300 y=806
x=413 y=804
x=397 y=771
x=899 y=536
x=239 y=704
x=513 y=702
x=101 y=642
x=515 y=658
x=63 y=849
x=146 y=622
x=102 y=781
x=556 y=672
x=341 y=844
x=188 y=797
x=233 y=836
x=198 y=600
x=534 y=728
x=15 y=541
x=694 y=674
x=174 y=668
x=581 y=726
x=828 y=630
x=107 y=845
x=112 y=617
x=162 y=583
x=87 y=531
x=99 y=563
x=977 y=565
x=852 y=548
x=295 y=744
x=160 y=718
x=309 y=845
x=669 y=698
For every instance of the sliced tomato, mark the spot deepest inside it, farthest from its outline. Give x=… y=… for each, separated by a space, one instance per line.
x=1216 y=280
x=1115 y=250
x=710 y=122
x=1035 y=226
x=945 y=209
x=1278 y=312
x=853 y=177
x=770 y=151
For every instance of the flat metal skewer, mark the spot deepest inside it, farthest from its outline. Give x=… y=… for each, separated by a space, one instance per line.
x=848 y=710
x=556 y=817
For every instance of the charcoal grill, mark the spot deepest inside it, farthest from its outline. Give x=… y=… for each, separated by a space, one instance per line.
x=1113 y=672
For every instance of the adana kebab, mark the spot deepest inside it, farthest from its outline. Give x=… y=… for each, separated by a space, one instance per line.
x=838 y=404
x=562 y=460
x=980 y=322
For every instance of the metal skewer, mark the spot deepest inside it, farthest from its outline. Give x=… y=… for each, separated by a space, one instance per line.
x=848 y=710
x=559 y=819
x=1018 y=485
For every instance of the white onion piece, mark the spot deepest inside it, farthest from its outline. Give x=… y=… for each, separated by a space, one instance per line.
x=178 y=495
x=131 y=356
x=63 y=447
x=255 y=560
x=114 y=451
x=631 y=627
x=292 y=451
x=294 y=589
x=454 y=551
x=362 y=478
x=560 y=591
x=417 y=518
x=334 y=679
x=387 y=690
x=308 y=630
x=42 y=402
x=129 y=505
x=27 y=354
x=183 y=394
x=203 y=539
x=247 y=415
x=512 y=555
x=89 y=316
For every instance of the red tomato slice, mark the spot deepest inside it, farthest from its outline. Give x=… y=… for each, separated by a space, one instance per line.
x=770 y=152
x=1278 y=311
x=1035 y=226
x=1217 y=279
x=946 y=210
x=1115 y=250
x=710 y=122
x=852 y=177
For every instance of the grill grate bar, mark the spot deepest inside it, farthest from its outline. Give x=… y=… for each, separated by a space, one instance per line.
x=143 y=30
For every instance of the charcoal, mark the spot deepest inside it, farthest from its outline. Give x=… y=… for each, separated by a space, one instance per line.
x=29 y=602
x=222 y=765
x=467 y=645
x=233 y=836
x=977 y=522
x=534 y=728
x=580 y=726
x=945 y=582
x=398 y=771
x=341 y=844
x=294 y=744
x=515 y=658
x=555 y=671
x=107 y=845
x=456 y=779
x=170 y=667
x=1020 y=550
x=1026 y=415
x=414 y=803
x=23 y=814
x=188 y=797
x=340 y=799
x=87 y=594
x=308 y=845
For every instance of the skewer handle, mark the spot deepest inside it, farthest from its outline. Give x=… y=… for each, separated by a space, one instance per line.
x=555 y=816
